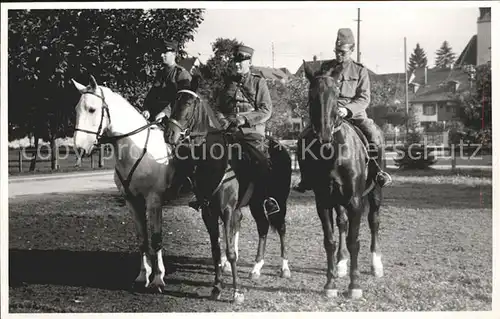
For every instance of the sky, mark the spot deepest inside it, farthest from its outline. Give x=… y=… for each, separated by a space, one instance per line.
x=300 y=33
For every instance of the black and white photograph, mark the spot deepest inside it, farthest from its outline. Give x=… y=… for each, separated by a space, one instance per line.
x=255 y=158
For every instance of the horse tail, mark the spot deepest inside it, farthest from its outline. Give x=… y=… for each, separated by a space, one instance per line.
x=281 y=182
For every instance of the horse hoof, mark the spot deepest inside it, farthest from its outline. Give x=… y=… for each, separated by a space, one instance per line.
x=238 y=298
x=355 y=293
x=331 y=293
x=158 y=289
x=285 y=273
x=215 y=294
x=254 y=276
x=157 y=285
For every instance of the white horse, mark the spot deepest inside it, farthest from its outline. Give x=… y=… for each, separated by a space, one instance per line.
x=143 y=171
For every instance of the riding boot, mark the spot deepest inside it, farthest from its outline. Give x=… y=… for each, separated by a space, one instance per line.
x=263 y=167
x=382 y=178
x=375 y=145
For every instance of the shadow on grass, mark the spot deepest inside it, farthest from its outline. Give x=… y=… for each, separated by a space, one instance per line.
x=97 y=269
x=111 y=271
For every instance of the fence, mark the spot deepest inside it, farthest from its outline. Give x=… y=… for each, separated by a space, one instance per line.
x=467 y=155
x=24 y=159
x=67 y=159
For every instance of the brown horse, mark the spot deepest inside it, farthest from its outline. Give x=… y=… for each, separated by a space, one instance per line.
x=337 y=163
x=224 y=182
x=143 y=171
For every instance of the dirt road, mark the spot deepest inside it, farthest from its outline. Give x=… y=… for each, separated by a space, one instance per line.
x=60 y=183
x=94 y=181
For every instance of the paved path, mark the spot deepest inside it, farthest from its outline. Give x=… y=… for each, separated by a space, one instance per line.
x=60 y=183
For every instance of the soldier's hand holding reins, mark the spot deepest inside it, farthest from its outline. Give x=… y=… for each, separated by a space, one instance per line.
x=236 y=121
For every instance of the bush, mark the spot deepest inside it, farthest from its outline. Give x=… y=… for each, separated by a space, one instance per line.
x=414 y=157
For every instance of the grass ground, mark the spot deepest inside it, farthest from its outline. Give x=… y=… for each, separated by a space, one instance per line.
x=77 y=253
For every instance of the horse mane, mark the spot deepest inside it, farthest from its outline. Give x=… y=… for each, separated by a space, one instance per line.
x=119 y=99
x=201 y=119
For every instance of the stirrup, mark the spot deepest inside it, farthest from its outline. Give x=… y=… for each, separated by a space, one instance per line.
x=275 y=208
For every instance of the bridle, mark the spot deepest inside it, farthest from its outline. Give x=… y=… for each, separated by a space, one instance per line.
x=185 y=132
x=100 y=137
x=105 y=107
x=337 y=124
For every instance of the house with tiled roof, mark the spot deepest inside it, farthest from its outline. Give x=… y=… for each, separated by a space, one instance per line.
x=315 y=65
x=431 y=91
x=190 y=63
x=431 y=94
x=273 y=74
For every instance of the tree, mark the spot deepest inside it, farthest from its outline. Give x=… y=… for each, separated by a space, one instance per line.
x=475 y=105
x=444 y=56
x=418 y=59
x=297 y=97
x=279 y=123
x=217 y=68
x=386 y=91
x=412 y=157
x=49 y=47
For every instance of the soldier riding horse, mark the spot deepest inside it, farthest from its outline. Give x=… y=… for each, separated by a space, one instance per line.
x=344 y=176
x=231 y=171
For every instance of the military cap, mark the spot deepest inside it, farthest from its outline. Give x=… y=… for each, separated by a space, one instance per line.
x=171 y=46
x=345 y=38
x=242 y=52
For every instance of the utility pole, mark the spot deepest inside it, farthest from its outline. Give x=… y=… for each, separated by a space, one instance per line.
x=406 y=90
x=358 y=46
x=272 y=46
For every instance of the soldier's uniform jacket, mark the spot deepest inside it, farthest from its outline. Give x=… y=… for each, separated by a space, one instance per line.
x=248 y=97
x=354 y=85
x=167 y=82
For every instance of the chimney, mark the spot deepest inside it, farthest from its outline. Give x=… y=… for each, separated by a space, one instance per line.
x=425 y=76
x=315 y=58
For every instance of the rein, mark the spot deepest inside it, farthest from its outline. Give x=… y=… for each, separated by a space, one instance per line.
x=186 y=134
x=102 y=139
x=108 y=139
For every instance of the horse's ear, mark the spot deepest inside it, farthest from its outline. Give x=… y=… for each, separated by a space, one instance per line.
x=79 y=87
x=307 y=70
x=93 y=83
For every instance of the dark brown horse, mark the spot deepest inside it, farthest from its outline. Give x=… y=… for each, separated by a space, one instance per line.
x=223 y=181
x=337 y=163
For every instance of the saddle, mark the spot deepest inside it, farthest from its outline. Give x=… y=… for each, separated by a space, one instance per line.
x=358 y=131
x=226 y=162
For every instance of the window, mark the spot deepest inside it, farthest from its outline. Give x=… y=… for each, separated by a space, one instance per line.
x=429 y=109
